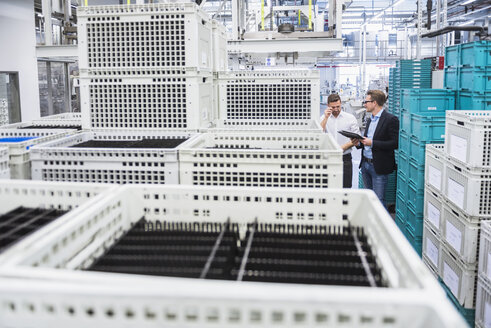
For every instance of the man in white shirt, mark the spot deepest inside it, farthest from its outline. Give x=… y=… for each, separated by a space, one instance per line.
x=334 y=120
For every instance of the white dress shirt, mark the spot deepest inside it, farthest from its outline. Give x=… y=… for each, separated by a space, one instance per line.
x=344 y=121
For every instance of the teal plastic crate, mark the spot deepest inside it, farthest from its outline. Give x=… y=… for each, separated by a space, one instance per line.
x=475 y=54
x=473 y=101
x=414 y=222
x=477 y=80
x=402 y=183
x=417 y=150
x=452 y=56
x=415 y=241
x=405 y=120
x=415 y=196
x=417 y=173
x=391 y=188
x=403 y=161
x=468 y=314
x=451 y=78
x=400 y=222
x=427 y=100
x=428 y=128
x=404 y=144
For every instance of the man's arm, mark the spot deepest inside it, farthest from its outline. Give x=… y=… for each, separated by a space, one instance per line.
x=393 y=131
x=352 y=127
x=327 y=113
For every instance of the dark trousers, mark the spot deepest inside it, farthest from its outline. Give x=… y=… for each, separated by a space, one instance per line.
x=347 y=171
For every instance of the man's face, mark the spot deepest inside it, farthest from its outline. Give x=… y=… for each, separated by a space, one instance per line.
x=369 y=104
x=335 y=107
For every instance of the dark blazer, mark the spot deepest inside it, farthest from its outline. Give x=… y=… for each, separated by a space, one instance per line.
x=385 y=141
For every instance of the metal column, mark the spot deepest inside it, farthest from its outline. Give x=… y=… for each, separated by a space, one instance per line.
x=48 y=24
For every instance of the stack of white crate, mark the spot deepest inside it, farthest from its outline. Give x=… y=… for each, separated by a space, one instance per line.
x=19 y=143
x=146 y=73
x=145 y=66
x=483 y=301
x=457 y=199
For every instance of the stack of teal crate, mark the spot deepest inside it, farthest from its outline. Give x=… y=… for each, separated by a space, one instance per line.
x=422 y=121
x=391 y=102
x=468 y=71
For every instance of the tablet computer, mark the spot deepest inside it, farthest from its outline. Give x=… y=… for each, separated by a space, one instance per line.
x=350 y=135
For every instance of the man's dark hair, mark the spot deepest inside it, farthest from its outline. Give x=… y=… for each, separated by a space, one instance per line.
x=378 y=96
x=333 y=98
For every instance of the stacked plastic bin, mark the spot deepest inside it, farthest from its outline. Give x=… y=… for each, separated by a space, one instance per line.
x=483 y=299
x=422 y=121
x=468 y=71
x=457 y=200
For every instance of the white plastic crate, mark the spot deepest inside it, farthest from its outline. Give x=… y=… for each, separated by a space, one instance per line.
x=431 y=247
x=468 y=188
x=483 y=304
x=435 y=165
x=219 y=46
x=460 y=232
x=46 y=195
x=152 y=36
x=59 y=123
x=459 y=277
x=428 y=264
x=4 y=163
x=180 y=100
x=113 y=300
x=262 y=158
x=19 y=152
x=433 y=209
x=485 y=251
x=57 y=161
x=268 y=98
x=468 y=137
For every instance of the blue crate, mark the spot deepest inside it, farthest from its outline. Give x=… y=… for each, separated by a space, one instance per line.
x=402 y=183
x=416 y=173
x=427 y=100
x=474 y=79
x=414 y=222
x=468 y=314
x=16 y=139
x=429 y=128
x=475 y=54
x=404 y=144
x=415 y=196
x=473 y=101
x=450 y=78
x=405 y=120
x=452 y=56
x=403 y=161
x=401 y=206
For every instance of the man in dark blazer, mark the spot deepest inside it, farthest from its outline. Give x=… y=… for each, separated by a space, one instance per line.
x=381 y=139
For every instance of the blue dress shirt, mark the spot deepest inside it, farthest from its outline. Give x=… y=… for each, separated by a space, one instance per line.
x=371 y=130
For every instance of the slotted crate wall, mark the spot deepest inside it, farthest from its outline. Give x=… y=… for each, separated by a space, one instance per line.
x=59 y=161
x=180 y=100
x=270 y=159
x=483 y=303
x=485 y=251
x=42 y=196
x=19 y=143
x=4 y=163
x=412 y=292
x=152 y=36
x=268 y=98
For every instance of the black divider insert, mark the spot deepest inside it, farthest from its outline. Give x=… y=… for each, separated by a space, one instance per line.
x=21 y=221
x=144 y=143
x=278 y=253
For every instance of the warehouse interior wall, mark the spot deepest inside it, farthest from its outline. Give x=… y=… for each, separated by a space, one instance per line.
x=18 y=43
